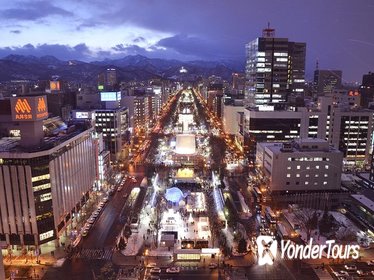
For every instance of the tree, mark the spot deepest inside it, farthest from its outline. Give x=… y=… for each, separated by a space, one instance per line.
x=308 y=220
x=107 y=272
x=159 y=209
x=327 y=223
x=242 y=246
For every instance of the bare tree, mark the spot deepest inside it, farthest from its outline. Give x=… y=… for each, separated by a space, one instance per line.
x=159 y=209
x=308 y=219
x=346 y=235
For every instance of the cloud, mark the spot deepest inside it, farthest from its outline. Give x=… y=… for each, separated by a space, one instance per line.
x=15 y=31
x=34 y=10
x=63 y=52
x=198 y=47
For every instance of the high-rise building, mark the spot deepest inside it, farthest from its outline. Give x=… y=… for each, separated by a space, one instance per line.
x=275 y=67
x=327 y=80
x=367 y=89
x=238 y=83
x=113 y=124
x=45 y=175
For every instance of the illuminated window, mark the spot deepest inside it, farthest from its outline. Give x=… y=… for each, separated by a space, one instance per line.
x=298 y=167
x=288 y=175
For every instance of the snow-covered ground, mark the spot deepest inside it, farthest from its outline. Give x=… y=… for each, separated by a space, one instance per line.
x=346 y=226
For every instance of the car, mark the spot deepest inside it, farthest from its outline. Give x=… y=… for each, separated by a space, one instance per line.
x=91 y=220
x=155 y=270
x=84 y=232
x=371 y=262
x=341 y=273
x=95 y=214
x=105 y=199
x=151 y=265
x=213 y=265
x=119 y=189
x=371 y=272
x=360 y=272
x=173 y=269
x=350 y=267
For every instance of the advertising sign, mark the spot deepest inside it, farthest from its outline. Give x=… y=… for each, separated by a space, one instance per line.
x=110 y=96
x=29 y=108
x=54 y=85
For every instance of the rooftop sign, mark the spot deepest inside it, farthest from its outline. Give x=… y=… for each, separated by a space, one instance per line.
x=29 y=108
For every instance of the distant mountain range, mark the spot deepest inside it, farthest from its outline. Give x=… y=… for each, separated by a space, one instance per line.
x=133 y=67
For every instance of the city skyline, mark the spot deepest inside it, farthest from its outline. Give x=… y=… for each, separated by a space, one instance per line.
x=336 y=32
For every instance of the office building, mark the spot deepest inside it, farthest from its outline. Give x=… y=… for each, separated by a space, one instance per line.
x=141 y=109
x=233 y=109
x=238 y=84
x=367 y=90
x=327 y=80
x=46 y=175
x=278 y=126
x=275 y=67
x=300 y=165
x=113 y=124
x=348 y=128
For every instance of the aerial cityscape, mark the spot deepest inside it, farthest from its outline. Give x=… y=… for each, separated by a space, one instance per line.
x=170 y=139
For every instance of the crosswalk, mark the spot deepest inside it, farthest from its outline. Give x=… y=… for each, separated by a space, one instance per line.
x=189 y=268
x=93 y=254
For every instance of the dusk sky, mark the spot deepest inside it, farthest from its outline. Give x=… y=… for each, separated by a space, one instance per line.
x=339 y=33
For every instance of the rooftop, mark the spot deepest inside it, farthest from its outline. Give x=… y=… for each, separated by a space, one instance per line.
x=368 y=203
x=56 y=132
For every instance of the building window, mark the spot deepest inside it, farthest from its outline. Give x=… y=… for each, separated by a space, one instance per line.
x=287 y=183
x=325 y=175
x=326 y=166
x=317 y=166
x=316 y=175
x=288 y=167
x=298 y=175
x=298 y=167
x=288 y=175
x=307 y=175
x=306 y=183
x=325 y=183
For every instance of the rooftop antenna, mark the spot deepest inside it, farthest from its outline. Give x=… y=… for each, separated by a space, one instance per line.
x=317 y=64
x=268 y=32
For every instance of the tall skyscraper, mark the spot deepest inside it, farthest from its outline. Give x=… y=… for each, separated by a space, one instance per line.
x=275 y=67
x=327 y=80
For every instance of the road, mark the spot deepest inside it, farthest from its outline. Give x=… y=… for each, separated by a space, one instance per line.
x=187 y=273
x=106 y=227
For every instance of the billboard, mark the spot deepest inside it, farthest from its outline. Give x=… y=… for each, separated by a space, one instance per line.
x=54 y=85
x=82 y=115
x=110 y=95
x=29 y=108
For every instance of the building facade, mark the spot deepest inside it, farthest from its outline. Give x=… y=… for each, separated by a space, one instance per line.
x=275 y=67
x=301 y=165
x=41 y=189
x=113 y=124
